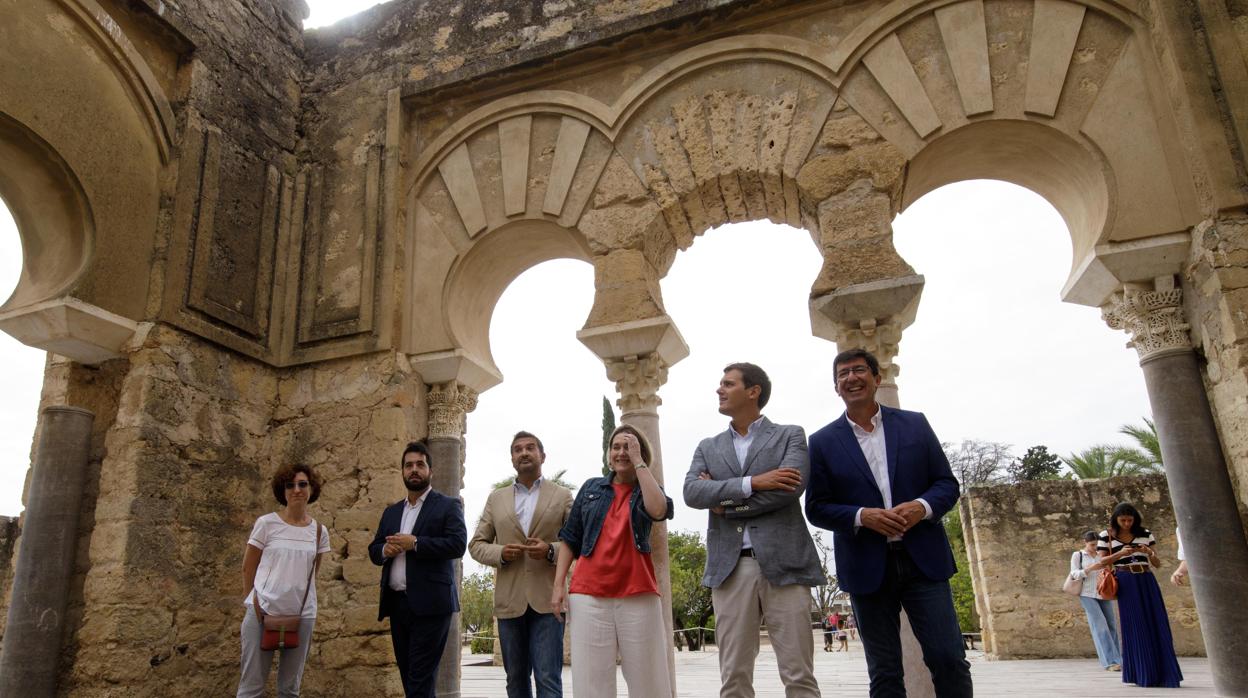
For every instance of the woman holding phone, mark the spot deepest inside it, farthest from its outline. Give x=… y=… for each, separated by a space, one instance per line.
x=1147 y=647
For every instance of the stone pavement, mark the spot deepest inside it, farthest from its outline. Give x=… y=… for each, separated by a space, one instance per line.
x=845 y=674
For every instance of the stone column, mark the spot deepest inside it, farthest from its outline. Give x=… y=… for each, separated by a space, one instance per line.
x=449 y=405
x=637 y=355
x=872 y=316
x=45 y=561
x=1200 y=486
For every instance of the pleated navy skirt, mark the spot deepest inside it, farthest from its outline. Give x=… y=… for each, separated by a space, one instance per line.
x=1147 y=647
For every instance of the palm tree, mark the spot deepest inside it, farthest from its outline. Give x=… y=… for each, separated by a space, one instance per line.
x=1147 y=452
x=1105 y=460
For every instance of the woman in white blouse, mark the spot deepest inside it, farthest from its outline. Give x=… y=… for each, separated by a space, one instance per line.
x=1102 y=614
x=279 y=570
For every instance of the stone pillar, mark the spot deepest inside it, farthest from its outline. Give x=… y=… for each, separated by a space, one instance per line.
x=872 y=316
x=1200 y=486
x=637 y=355
x=449 y=405
x=45 y=560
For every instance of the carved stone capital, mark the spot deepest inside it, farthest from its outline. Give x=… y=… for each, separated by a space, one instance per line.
x=637 y=380
x=882 y=340
x=1152 y=316
x=449 y=405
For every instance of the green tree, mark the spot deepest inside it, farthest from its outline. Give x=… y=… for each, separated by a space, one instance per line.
x=476 y=603
x=691 y=602
x=1036 y=464
x=608 y=426
x=963 y=591
x=1106 y=460
x=1147 y=452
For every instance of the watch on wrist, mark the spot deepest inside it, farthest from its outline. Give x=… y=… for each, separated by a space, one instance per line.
x=550 y=553
x=641 y=466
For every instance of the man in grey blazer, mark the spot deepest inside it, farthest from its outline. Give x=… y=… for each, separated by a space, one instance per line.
x=760 y=559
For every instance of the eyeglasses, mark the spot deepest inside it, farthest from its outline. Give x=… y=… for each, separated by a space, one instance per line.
x=859 y=371
x=301 y=484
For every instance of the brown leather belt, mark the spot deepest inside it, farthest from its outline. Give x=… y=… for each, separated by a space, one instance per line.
x=1133 y=568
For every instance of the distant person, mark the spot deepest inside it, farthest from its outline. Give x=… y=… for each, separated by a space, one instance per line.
x=880 y=482
x=1148 y=657
x=417 y=542
x=760 y=559
x=842 y=636
x=1102 y=613
x=852 y=626
x=828 y=631
x=279 y=571
x=1179 y=577
x=517 y=536
x=613 y=603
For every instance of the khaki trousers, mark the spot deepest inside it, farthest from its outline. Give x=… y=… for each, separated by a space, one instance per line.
x=741 y=602
x=633 y=628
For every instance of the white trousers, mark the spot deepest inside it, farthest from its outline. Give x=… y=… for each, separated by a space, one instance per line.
x=255 y=662
x=631 y=627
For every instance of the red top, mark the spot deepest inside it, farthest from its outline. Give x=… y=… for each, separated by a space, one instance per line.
x=616 y=568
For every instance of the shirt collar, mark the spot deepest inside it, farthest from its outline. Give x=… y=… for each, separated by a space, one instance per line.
x=877 y=420
x=749 y=431
x=527 y=490
x=419 y=500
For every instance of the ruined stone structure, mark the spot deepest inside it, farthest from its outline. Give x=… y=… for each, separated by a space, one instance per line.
x=1019 y=539
x=247 y=244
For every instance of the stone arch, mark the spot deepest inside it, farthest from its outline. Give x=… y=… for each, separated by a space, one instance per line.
x=1055 y=95
x=53 y=216
x=1067 y=89
x=95 y=149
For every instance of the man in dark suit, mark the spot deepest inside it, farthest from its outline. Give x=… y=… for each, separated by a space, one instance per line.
x=880 y=482
x=416 y=543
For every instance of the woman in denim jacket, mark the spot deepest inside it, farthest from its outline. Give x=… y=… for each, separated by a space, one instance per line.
x=613 y=604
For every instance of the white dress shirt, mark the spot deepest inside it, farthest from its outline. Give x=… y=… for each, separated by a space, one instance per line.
x=875 y=451
x=741 y=444
x=398 y=568
x=526 y=503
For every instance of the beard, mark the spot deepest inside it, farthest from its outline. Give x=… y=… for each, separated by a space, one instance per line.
x=416 y=484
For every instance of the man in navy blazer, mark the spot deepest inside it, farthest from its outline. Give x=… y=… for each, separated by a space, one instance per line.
x=880 y=481
x=417 y=542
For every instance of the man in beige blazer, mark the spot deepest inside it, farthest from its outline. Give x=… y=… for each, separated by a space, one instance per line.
x=517 y=536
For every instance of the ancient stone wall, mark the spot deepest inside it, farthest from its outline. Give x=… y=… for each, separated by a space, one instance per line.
x=186 y=439
x=1019 y=540
x=1218 y=271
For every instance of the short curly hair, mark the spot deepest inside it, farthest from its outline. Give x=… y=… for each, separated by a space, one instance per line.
x=287 y=474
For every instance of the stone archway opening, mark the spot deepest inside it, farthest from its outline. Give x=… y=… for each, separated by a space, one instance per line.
x=552 y=386
x=23 y=378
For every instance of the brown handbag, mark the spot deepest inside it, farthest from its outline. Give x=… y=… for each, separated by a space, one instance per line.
x=282 y=632
x=1107 y=584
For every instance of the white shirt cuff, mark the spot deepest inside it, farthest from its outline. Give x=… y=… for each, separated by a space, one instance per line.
x=858 y=519
x=926 y=507
x=747 y=488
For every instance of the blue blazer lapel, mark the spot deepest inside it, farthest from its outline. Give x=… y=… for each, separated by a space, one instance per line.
x=892 y=437
x=431 y=502
x=849 y=443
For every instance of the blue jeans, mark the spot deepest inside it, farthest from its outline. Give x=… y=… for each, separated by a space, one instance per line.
x=1103 y=622
x=929 y=605
x=532 y=644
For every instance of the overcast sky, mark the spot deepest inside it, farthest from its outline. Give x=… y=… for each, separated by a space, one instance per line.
x=993 y=355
